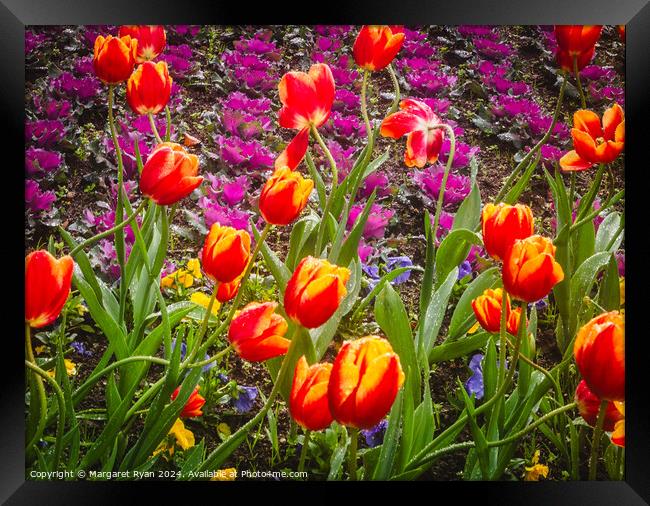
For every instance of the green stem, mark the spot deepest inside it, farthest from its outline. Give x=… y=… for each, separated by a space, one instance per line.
x=576 y=72
x=590 y=196
x=172 y=212
x=154 y=129
x=303 y=452
x=352 y=453
x=110 y=231
x=37 y=390
x=596 y=212
x=214 y=358
x=330 y=197
x=443 y=185
x=153 y=389
x=235 y=302
x=366 y=119
x=524 y=161
x=502 y=338
x=168 y=129
x=595 y=442
x=204 y=326
x=393 y=77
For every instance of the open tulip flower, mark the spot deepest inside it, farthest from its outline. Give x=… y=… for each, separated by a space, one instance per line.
x=530 y=270
x=114 y=58
x=599 y=350
x=589 y=404
x=502 y=225
x=256 y=332
x=594 y=142
x=487 y=308
x=194 y=404
x=307 y=100
x=576 y=41
x=149 y=87
x=315 y=291
x=170 y=174
x=364 y=382
x=47 y=286
x=416 y=120
x=376 y=46
x=151 y=40
x=308 y=401
x=618 y=435
x=284 y=196
x=225 y=253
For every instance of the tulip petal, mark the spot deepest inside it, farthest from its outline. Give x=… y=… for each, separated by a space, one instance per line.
x=416 y=149
x=587 y=121
x=612 y=117
x=295 y=151
x=571 y=161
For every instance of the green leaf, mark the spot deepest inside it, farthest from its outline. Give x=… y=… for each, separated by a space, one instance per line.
x=607 y=231
x=463 y=316
x=193 y=458
x=609 y=295
x=391 y=441
x=429 y=328
x=300 y=233
x=477 y=434
x=583 y=242
x=279 y=271
x=458 y=348
x=468 y=215
x=318 y=182
x=426 y=287
x=453 y=250
x=515 y=192
x=581 y=284
x=350 y=247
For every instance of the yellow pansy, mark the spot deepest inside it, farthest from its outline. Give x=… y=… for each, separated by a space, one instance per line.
x=70 y=368
x=474 y=328
x=81 y=309
x=621 y=288
x=536 y=470
x=194 y=268
x=203 y=300
x=176 y=278
x=228 y=474
x=40 y=349
x=183 y=438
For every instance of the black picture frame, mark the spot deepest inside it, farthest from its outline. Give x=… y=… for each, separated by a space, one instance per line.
x=635 y=14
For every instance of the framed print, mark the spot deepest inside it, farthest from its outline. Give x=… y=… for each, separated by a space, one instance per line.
x=280 y=249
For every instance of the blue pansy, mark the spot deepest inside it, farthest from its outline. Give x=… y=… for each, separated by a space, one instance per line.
x=245 y=400
x=375 y=435
x=393 y=263
x=474 y=385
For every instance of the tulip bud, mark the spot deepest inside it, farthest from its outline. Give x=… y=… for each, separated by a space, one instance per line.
x=225 y=253
x=256 y=332
x=599 y=351
x=376 y=46
x=503 y=225
x=170 y=174
x=530 y=270
x=151 y=40
x=148 y=88
x=227 y=291
x=576 y=41
x=589 y=405
x=114 y=58
x=364 y=382
x=308 y=401
x=284 y=196
x=194 y=404
x=47 y=286
x=487 y=308
x=315 y=291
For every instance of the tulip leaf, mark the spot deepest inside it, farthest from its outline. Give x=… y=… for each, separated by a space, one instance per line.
x=426 y=287
x=468 y=215
x=458 y=348
x=583 y=244
x=609 y=295
x=300 y=233
x=318 y=181
x=435 y=313
x=452 y=251
x=463 y=315
x=477 y=434
x=350 y=247
x=391 y=440
x=581 y=284
x=280 y=272
x=515 y=192
x=609 y=231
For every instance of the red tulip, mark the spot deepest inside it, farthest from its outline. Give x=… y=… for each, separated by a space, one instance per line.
x=284 y=196
x=225 y=253
x=487 y=308
x=307 y=100
x=148 y=88
x=415 y=120
x=594 y=143
x=315 y=291
x=377 y=46
x=364 y=382
x=114 y=58
x=47 y=286
x=530 y=270
x=503 y=225
x=576 y=41
x=194 y=404
x=228 y=291
x=151 y=40
x=589 y=405
x=170 y=174
x=308 y=401
x=256 y=332
x=599 y=351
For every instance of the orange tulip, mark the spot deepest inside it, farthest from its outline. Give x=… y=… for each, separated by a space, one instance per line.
x=228 y=291
x=599 y=351
x=503 y=225
x=308 y=401
x=170 y=174
x=487 y=308
x=595 y=143
x=307 y=100
x=114 y=58
x=225 y=253
x=315 y=291
x=589 y=405
x=512 y=325
x=284 y=196
x=194 y=404
x=618 y=436
x=530 y=270
x=149 y=87
x=377 y=46
x=576 y=41
x=47 y=286
x=256 y=332
x=151 y=40
x=364 y=381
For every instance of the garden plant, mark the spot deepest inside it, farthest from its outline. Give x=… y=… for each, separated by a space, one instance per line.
x=330 y=252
